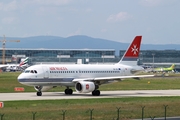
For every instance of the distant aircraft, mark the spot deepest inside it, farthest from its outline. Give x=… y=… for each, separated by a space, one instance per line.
x=24 y=63
x=14 y=67
x=84 y=77
x=164 y=69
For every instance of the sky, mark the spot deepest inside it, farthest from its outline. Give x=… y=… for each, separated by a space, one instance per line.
x=158 y=21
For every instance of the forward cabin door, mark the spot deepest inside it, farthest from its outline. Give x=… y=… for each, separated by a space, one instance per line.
x=46 y=72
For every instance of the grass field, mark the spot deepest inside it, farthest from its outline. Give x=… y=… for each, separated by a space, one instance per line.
x=103 y=109
x=8 y=81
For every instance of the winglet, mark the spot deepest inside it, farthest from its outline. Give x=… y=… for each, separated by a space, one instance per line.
x=132 y=53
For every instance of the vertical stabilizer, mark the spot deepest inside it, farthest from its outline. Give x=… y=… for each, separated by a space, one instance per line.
x=24 y=62
x=132 y=53
x=172 y=66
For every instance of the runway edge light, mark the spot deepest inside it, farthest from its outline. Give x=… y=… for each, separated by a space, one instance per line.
x=1 y=104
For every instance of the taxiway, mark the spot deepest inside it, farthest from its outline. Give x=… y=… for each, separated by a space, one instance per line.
x=75 y=95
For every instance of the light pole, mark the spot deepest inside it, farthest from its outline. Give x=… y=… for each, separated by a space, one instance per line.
x=87 y=57
x=153 y=60
x=59 y=57
x=15 y=57
x=103 y=57
x=141 y=59
x=141 y=56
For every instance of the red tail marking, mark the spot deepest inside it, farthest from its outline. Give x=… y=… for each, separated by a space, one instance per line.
x=21 y=64
x=134 y=48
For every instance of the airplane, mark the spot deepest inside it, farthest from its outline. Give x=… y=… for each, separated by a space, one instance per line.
x=162 y=69
x=14 y=67
x=84 y=77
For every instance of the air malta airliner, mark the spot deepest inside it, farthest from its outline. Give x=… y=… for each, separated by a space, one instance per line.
x=84 y=77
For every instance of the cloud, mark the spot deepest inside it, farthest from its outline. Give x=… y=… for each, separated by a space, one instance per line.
x=150 y=3
x=9 y=20
x=89 y=10
x=103 y=30
x=77 y=32
x=9 y=6
x=121 y=16
x=52 y=2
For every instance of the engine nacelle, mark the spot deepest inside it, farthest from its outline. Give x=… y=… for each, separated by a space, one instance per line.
x=43 y=88
x=84 y=87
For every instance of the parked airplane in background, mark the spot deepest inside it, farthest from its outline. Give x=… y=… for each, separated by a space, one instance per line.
x=165 y=69
x=24 y=63
x=15 y=67
x=84 y=77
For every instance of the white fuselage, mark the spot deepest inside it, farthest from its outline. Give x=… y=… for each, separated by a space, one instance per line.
x=57 y=74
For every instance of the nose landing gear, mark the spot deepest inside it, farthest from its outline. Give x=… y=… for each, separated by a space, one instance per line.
x=39 y=93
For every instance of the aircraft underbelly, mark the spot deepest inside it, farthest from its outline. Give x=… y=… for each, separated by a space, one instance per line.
x=47 y=82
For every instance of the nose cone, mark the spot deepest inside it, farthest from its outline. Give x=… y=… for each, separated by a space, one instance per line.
x=21 y=78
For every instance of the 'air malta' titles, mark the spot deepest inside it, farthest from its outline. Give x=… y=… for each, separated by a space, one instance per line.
x=58 y=68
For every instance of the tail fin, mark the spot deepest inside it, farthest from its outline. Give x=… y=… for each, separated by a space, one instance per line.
x=132 y=53
x=25 y=61
x=172 y=66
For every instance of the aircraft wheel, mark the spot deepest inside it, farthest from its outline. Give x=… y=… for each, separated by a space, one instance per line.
x=96 y=93
x=68 y=91
x=39 y=93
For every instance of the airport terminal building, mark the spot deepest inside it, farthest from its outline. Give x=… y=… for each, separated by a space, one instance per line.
x=69 y=56
x=85 y=56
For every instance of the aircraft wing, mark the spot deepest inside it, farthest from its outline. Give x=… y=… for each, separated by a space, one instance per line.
x=3 y=66
x=111 y=78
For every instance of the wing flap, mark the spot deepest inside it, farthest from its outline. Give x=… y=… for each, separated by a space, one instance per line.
x=122 y=77
x=112 y=78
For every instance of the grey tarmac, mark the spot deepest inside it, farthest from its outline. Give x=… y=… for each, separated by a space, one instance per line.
x=75 y=95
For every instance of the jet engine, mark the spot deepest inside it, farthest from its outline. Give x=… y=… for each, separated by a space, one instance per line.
x=84 y=87
x=43 y=88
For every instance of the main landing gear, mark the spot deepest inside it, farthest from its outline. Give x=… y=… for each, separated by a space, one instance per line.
x=96 y=93
x=68 y=91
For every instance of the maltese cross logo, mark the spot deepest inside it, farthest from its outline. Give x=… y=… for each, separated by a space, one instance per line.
x=134 y=50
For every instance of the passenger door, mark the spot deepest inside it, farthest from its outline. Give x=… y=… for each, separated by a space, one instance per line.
x=46 y=72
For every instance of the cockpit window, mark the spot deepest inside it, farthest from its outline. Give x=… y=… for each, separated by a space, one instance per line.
x=30 y=71
x=27 y=71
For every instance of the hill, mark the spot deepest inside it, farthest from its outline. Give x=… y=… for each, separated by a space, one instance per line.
x=78 y=42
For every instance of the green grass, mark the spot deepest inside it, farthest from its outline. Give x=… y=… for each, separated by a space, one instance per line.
x=103 y=109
